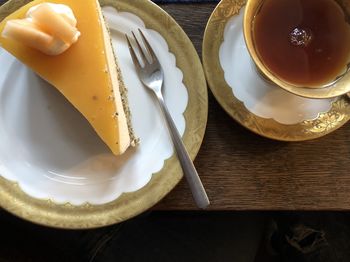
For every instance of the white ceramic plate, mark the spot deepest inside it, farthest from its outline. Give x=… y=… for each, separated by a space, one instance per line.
x=52 y=152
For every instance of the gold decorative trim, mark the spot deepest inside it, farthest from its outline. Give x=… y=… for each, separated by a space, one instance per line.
x=324 y=124
x=46 y=212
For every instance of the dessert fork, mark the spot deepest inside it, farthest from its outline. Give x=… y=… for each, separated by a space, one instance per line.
x=151 y=76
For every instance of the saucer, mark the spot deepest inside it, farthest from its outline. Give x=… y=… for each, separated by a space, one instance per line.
x=256 y=104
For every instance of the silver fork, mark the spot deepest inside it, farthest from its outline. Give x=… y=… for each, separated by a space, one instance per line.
x=151 y=75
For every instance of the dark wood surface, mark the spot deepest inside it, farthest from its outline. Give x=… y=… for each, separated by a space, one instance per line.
x=243 y=171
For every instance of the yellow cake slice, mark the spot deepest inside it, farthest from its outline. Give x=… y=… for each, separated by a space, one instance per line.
x=75 y=55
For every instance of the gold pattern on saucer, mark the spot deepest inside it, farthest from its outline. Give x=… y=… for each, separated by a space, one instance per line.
x=328 y=121
x=324 y=124
x=338 y=88
x=49 y=213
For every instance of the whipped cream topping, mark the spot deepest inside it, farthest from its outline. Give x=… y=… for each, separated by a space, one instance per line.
x=47 y=27
x=63 y=10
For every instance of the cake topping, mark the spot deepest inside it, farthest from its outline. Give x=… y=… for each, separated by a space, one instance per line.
x=49 y=28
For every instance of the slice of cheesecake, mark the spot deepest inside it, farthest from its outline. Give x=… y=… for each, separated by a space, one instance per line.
x=75 y=55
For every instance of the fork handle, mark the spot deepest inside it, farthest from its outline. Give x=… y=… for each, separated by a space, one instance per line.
x=198 y=192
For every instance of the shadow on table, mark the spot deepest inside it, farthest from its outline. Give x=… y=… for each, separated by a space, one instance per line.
x=185 y=236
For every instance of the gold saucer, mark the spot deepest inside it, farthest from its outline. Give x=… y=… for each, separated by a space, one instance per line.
x=325 y=122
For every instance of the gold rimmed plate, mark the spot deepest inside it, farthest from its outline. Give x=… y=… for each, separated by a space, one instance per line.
x=55 y=171
x=256 y=104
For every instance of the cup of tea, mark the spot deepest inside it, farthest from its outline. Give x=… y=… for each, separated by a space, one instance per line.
x=302 y=46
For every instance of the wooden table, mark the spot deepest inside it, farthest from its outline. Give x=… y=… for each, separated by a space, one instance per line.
x=243 y=171
x=240 y=170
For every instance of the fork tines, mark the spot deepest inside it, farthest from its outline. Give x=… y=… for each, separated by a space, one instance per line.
x=144 y=52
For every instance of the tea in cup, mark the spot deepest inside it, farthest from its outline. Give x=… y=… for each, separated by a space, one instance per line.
x=301 y=45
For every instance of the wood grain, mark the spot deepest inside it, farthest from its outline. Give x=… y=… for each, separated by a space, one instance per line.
x=243 y=171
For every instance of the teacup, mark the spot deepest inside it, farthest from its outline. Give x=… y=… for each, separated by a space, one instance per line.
x=338 y=87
